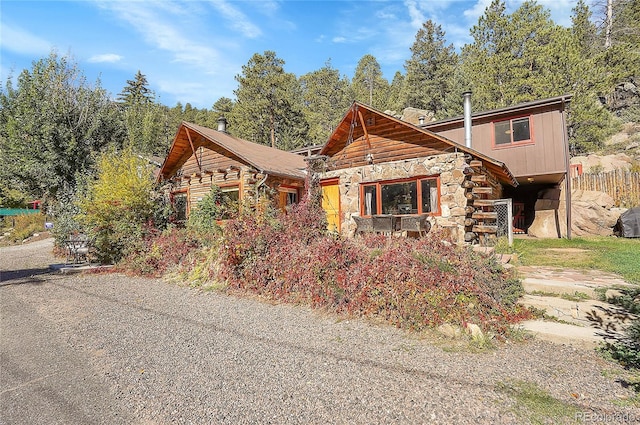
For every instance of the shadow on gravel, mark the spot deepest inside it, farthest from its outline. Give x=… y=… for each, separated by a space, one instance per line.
x=21 y=277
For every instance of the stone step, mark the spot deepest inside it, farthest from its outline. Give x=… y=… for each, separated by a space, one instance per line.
x=562 y=333
x=555 y=286
x=575 y=312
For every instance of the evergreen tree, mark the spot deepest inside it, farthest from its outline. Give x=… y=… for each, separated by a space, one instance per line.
x=223 y=107
x=267 y=109
x=508 y=62
x=136 y=91
x=396 y=89
x=430 y=70
x=579 y=62
x=143 y=117
x=368 y=84
x=325 y=98
x=486 y=61
x=583 y=30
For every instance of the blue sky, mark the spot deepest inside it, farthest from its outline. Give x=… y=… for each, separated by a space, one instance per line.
x=191 y=50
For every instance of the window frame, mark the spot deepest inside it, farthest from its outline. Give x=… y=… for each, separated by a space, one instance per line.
x=284 y=192
x=187 y=203
x=529 y=141
x=417 y=179
x=229 y=188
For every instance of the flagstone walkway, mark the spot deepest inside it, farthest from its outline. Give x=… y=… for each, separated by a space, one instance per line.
x=574 y=314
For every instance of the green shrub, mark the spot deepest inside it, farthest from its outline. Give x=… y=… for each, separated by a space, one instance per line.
x=25 y=226
x=118 y=206
x=213 y=207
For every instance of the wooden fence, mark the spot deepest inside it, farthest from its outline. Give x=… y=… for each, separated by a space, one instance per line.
x=623 y=186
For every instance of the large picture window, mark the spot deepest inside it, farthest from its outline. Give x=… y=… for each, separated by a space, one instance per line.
x=512 y=132
x=400 y=197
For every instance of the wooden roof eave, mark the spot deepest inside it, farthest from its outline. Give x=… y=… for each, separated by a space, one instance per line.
x=499 y=168
x=245 y=160
x=162 y=173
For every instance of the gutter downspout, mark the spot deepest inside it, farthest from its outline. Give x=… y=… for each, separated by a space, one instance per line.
x=260 y=183
x=567 y=170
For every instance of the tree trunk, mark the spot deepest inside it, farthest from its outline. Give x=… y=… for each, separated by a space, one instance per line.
x=608 y=24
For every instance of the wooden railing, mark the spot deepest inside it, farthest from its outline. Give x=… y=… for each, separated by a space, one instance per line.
x=623 y=186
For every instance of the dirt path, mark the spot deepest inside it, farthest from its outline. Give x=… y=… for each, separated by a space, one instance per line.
x=85 y=348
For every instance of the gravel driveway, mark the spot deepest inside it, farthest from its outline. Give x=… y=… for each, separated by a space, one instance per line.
x=86 y=348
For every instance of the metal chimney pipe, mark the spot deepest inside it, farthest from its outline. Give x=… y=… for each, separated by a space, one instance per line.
x=222 y=124
x=466 y=102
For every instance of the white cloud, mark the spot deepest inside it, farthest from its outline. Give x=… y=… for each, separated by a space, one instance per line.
x=164 y=33
x=23 y=42
x=107 y=57
x=472 y=14
x=236 y=19
x=339 y=39
x=417 y=18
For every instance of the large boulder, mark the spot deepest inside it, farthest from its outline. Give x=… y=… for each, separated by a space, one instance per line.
x=603 y=164
x=592 y=214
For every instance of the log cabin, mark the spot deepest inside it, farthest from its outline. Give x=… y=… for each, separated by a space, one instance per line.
x=379 y=167
x=200 y=158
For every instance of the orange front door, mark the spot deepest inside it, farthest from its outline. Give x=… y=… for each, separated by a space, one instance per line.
x=331 y=205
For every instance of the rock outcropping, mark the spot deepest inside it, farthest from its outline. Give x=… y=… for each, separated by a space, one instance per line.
x=592 y=213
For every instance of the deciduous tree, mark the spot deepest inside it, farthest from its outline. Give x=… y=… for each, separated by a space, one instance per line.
x=52 y=124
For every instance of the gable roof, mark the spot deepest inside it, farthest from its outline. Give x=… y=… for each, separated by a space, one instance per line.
x=362 y=120
x=261 y=157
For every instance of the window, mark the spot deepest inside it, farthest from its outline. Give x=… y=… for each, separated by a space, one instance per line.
x=180 y=206
x=510 y=132
x=409 y=196
x=230 y=194
x=287 y=196
x=230 y=201
x=292 y=198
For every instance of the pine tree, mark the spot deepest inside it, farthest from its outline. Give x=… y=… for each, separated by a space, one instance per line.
x=136 y=91
x=143 y=117
x=267 y=109
x=223 y=106
x=430 y=69
x=583 y=30
x=486 y=61
x=396 y=89
x=368 y=84
x=325 y=98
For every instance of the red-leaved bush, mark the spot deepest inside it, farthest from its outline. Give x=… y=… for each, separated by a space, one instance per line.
x=162 y=251
x=413 y=283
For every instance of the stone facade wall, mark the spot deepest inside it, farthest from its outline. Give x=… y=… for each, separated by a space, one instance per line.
x=452 y=195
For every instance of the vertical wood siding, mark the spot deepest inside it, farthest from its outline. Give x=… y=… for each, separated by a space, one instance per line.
x=544 y=156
